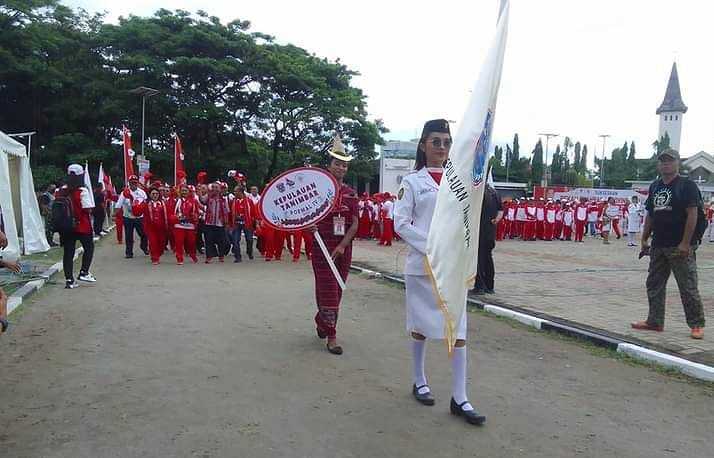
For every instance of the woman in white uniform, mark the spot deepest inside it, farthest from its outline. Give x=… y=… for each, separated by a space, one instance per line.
x=634 y=218
x=412 y=218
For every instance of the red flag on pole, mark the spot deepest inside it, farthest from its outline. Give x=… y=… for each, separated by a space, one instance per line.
x=179 y=172
x=128 y=155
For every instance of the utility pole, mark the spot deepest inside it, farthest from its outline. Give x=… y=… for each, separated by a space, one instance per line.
x=602 y=164
x=547 y=167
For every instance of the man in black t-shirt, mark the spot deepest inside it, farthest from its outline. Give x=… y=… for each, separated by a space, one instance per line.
x=491 y=214
x=672 y=210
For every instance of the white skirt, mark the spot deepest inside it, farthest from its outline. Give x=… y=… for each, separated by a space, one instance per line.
x=423 y=314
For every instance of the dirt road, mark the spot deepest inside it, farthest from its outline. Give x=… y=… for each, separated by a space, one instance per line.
x=222 y=361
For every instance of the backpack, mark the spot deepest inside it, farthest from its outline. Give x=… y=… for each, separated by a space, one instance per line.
x=63 y=220
x=702 y=222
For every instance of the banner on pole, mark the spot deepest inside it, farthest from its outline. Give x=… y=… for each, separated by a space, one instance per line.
x=452 y=242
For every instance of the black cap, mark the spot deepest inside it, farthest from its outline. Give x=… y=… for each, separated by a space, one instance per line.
x=673 y=153
x=435 y=125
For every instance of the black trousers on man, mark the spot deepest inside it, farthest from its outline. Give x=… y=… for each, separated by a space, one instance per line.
x=486 y=271
x=69 y=243
x=99 y=217
x=216 y=241
x=130 y=225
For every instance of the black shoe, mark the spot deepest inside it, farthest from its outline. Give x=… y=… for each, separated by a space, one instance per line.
x=477 y=291
x=70 y=284
x=146 y=252
x=490 y=291
x=129 y=256
x=250 y=256
x=3 y=325
x=237 y=260
x=471 y=416
x=427 y=398
x=334 y=349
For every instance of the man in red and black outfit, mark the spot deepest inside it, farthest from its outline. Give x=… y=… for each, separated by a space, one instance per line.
x=243 y=212
x=81 y=206
x=217 y=219
x=337 y=230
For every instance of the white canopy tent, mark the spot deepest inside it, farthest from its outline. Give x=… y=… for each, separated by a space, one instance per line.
x=24 y=227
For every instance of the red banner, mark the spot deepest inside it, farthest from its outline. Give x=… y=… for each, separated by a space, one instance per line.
x=128 y=155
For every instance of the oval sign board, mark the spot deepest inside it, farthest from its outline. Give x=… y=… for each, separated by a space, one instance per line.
x=298 y=198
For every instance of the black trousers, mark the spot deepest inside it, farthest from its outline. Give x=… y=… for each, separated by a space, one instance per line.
x=216 y=240
x=131 y=224
x=69 y=243
x=486 y=271
x=99 y=222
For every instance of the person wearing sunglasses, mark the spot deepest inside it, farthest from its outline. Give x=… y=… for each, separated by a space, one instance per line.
x=413 y=212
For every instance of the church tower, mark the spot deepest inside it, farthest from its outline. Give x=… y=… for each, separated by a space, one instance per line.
x=671 y=111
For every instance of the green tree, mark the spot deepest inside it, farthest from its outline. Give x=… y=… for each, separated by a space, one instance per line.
x=584 y=160
x=576 y=158
x=537 y=163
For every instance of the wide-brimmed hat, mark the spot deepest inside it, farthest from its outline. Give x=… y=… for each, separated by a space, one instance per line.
x=337 y=150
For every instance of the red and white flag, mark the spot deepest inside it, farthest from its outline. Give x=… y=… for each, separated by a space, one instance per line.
x=105 y=180
x=128 y=155
x=179 y=172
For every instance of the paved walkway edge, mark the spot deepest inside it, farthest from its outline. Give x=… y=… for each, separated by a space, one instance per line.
x=690 y=368
x=15 y=299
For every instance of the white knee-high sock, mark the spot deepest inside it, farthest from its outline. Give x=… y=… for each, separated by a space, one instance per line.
x=419 y=355
x=458 y=374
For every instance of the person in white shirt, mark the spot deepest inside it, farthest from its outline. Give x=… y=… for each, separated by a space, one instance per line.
x=131 y=196
x=413 y=213
x=609 y=214
x=635 y=212
x=253 y=195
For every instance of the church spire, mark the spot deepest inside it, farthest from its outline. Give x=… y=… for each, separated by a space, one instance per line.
x=673 y=97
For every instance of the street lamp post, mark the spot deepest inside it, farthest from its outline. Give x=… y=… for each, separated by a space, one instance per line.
x=547 y=168
x=602 y=168
x=144 y=92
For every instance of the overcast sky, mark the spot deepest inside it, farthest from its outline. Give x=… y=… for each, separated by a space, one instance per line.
x=574 y=67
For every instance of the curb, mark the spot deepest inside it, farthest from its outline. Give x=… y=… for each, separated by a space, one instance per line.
x=690 y=368
x=15 y=299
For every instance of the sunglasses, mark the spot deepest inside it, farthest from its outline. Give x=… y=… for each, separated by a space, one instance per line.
x=437 y=143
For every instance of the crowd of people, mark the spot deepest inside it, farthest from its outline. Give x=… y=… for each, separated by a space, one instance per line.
x=539 y=219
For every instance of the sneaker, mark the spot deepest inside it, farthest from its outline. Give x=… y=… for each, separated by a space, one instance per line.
x=88 y=277
x=236 y=260
x=697 y=333
x=645 y=326
x=70 y=284
x=209 y=260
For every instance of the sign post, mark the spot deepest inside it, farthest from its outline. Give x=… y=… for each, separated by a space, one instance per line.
x=298 y=199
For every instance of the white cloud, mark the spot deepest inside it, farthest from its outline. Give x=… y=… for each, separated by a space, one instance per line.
x=575 y=67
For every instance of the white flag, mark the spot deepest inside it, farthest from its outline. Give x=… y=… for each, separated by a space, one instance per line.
x=100 y=178
x=452 y=244
x=88 y=183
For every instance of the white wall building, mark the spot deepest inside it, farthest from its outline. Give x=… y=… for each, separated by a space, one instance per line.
x=396 y=160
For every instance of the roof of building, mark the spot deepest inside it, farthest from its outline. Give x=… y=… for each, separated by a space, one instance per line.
x=701 y=159
x=673 y=97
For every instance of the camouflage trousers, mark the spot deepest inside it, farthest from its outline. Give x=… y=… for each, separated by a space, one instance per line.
x=664 y=261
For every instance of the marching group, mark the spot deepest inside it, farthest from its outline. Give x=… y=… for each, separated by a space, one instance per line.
x=531 y=219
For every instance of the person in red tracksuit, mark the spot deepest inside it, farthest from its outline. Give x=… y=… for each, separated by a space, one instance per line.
x=155 y=223
x=581 y=219
x=549 y=220
x=184 y=221
x=568 y=210
x=540 y=219
x=387 y=221
x=558 y=227
x=298 y=238
x=529 y=226
x=365 y=217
